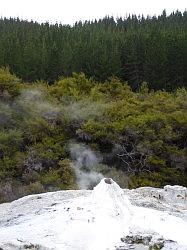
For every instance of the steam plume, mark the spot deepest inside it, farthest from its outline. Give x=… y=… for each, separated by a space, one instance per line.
x=85 y=162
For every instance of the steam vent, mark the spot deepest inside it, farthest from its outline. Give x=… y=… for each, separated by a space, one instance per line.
x=108 y=180
x=107 y=217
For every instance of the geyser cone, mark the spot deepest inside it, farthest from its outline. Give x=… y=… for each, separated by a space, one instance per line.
x=112 y=204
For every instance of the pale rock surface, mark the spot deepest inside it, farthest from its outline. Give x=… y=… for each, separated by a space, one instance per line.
x=95 y=220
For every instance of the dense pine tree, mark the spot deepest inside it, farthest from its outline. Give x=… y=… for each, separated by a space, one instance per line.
x=135 y=49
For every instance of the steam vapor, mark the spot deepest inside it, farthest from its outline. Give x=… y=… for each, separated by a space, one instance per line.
x=85 y=162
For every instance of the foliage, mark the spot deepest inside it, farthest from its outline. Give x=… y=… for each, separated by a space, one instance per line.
x=135 y=49
x=141 y=135
x=75 y=87
x=8 y=84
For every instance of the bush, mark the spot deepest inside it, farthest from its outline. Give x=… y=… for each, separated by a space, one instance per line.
x=9 y=84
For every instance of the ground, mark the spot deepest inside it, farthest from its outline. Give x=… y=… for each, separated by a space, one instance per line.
x=106 y=218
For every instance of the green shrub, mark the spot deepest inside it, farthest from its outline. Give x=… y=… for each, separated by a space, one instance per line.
x=9 y=84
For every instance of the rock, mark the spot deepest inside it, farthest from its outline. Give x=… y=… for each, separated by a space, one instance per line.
x=175 y=193
x=137 y=239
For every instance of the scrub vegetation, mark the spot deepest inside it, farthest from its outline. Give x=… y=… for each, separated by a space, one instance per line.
x=139 y=136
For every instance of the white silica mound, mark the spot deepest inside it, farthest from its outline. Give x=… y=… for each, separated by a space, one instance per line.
x=112 y=213
x=111 y=202
x=90 y=220
x=102 y=218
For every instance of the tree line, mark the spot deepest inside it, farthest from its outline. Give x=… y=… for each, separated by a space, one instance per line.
x=135 y=49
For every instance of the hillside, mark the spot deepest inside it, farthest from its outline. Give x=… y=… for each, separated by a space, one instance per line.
x=135 y=49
